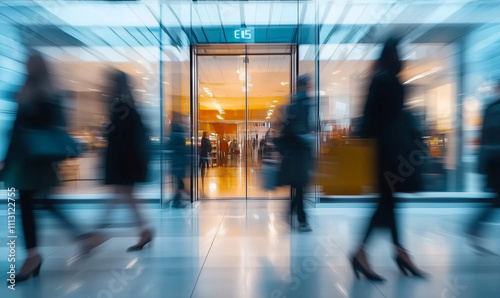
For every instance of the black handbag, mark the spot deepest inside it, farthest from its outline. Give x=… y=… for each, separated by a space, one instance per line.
x=49 y=144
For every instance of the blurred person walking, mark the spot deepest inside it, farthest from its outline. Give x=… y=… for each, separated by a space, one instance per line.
x=224 y=150
x=38 y=141
x=489 y=164
x=295 y=145
x=391 y=126
x=179 y=158
x=126 y=157
x=205 y=150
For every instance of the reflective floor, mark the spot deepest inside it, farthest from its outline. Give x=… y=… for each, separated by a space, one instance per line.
x=246 y=249
x=231 y=182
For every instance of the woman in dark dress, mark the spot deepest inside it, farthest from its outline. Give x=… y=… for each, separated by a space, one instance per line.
x=387 y=122
x=126 y=158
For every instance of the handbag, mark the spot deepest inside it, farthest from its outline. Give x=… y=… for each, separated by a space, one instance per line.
x=270 y=170
x=52 y=144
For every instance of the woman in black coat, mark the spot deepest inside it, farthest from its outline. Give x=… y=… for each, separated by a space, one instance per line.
x=126 y=158
x=296 y=147
x=392 y=127
x=179 y=159
x=489 y=164
x=39 y=110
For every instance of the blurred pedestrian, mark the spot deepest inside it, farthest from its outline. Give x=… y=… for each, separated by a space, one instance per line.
x=489 y=164
x=38 y=141
x=205 y=151
x=387 y=122
x=296 y=147
x=126 y=157
x=179 y=158
x=224 y=150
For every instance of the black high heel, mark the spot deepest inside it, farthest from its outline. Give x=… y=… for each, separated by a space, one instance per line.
x=407 y=268
x=358 y=268
x=146 y=237
x=35 y=272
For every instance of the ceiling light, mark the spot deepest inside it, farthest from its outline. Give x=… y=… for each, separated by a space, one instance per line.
x=145 y=78
x=336 y=72
x=424 y=74
x=284 y=83
x=220 y=117
x=272 y=106
x=322 y=92
x=275 y=101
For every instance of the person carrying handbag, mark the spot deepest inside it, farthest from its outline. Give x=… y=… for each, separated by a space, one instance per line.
x=38 y=142
x=295 y=145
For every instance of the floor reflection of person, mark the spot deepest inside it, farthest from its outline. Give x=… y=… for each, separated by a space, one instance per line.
x=126 y=157
x=386 y=121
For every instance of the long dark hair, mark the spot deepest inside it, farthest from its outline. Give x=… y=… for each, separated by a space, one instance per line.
x=389 y=58
x=38 y=82
x=121 y=89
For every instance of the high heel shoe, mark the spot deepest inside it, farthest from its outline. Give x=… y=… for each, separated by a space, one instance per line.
x=146 y=237
x=358 y=268
x=406 y=266
x=22 y=276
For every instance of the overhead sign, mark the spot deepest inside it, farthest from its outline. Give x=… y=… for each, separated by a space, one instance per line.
x=245 y=34
x=241 y=35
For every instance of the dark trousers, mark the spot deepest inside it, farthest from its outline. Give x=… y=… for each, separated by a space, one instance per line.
x=297 y=204
x=384 y=216
x=27 y=201
x=26 y=198
x=180 y=188
x=223 y=158
x=204 y=164
x=485 y=214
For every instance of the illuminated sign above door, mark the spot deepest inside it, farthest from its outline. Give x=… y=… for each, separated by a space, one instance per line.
x=241 y=35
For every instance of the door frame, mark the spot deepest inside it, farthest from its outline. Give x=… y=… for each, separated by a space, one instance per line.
x=194 y=92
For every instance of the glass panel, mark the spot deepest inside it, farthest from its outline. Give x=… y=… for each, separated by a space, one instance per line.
x=222 y=119
x=269 y=83
x=81 y=51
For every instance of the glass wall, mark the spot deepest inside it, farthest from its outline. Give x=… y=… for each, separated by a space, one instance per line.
x=448 y=51
x=83 y=43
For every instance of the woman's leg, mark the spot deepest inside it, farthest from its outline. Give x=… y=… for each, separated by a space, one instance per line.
x=299 y=198
x=31 y=265
x=146 y=234
x=127 y=193
x=484 y=215
x=28 y=218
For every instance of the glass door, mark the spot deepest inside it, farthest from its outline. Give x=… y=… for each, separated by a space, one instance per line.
x=240 y=93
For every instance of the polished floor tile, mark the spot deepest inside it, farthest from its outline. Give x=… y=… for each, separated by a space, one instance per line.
x=247 y=249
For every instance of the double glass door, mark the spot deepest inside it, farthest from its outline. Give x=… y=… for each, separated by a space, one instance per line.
x=240 y=93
